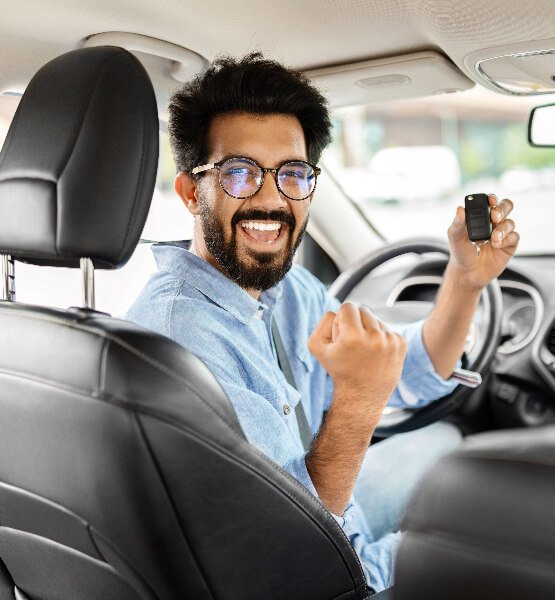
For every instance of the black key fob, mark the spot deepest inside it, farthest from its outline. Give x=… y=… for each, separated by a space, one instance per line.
x=478 y=221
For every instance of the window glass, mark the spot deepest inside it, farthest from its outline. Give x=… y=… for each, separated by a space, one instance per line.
x=409 y=163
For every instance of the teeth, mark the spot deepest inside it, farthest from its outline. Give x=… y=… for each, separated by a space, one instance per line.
x=261 y=226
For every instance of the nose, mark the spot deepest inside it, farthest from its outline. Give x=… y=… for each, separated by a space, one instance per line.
x=269 y=195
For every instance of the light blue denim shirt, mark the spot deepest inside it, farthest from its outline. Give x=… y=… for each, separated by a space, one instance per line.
x=196 y=305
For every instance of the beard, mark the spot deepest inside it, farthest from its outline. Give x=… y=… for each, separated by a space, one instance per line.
x=258 y=270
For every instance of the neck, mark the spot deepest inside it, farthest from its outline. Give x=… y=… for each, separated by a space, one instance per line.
x=199 y=249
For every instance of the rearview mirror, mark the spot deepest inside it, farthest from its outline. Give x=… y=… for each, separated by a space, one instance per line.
x=541 y=126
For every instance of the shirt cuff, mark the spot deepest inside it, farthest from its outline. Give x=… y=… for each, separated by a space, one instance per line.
x=419 y=383
x=348 y=515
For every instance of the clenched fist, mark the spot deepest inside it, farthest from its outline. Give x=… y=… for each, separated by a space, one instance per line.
x=362 y=356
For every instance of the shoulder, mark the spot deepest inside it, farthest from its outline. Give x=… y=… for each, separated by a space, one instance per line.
x=151 y=306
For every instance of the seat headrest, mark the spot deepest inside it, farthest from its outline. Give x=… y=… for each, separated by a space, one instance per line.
x=78 y=166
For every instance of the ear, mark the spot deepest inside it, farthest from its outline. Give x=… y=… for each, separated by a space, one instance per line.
x=186 y=188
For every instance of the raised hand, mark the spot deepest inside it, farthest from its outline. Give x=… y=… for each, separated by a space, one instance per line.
x=477 y=271
x=363 y=357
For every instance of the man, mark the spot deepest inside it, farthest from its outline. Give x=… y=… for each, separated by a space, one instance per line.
x=247 y=136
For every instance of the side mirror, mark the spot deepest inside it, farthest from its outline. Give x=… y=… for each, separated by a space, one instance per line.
x=541 y=126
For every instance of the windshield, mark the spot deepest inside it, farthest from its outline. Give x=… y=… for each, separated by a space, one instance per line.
x=409 y=163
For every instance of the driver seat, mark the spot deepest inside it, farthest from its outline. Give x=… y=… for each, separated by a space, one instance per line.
x=124 y=473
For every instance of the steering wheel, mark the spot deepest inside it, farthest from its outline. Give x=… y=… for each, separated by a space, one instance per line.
x=487 y=339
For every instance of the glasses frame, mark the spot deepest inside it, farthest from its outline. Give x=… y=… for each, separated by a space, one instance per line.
x=218 y=165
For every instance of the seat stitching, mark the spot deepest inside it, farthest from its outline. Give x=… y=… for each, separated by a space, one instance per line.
x=112 y=399
x=183 y=381
x=170 y=499
x=102 y=369
x=129 y=348
x=138 y=575
x=222 y=450
x=54 y=384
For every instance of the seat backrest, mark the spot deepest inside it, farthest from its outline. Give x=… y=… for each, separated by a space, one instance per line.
x=124 y=473
x=482 y=523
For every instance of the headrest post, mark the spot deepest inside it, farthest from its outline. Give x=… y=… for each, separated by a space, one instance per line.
x=87 y=272
x=8 y=277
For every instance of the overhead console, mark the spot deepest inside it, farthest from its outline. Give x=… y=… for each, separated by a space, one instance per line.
x=410 y=75
x=526 y=68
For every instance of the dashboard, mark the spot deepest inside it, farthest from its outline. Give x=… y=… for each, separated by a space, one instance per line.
x=519 y=389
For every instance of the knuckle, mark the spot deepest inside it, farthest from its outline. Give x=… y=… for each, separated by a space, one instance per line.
x=347 y=306
x=400 y=342
x=364 y=310
x=509 y=224
x=311 y=341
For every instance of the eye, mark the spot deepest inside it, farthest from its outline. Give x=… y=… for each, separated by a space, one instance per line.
x=237 y=172
x=294 y=173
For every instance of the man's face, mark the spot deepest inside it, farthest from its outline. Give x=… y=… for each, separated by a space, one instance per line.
x=252 y=241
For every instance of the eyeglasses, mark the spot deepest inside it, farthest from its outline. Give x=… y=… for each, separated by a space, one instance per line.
x=243 y=177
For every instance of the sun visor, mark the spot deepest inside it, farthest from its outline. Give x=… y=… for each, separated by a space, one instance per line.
x=523 y=69
x=407 y=76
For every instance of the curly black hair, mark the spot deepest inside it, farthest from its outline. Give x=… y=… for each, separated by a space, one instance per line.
x=252 y=84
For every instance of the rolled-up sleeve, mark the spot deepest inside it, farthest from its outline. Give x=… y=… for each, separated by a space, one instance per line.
x=419 y=384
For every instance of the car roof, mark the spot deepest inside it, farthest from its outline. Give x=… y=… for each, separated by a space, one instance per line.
x=307 y=35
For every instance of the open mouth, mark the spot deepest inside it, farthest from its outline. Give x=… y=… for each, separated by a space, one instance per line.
x=263 y=232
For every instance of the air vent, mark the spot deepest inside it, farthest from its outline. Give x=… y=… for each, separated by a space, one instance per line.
x=550 y=340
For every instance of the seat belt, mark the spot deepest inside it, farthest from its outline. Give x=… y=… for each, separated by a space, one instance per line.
x=283 y=361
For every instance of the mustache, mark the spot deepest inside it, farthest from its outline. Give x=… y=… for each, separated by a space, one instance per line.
x=254 y=214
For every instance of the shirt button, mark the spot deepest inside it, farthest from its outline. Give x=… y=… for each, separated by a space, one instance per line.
x=286 y=409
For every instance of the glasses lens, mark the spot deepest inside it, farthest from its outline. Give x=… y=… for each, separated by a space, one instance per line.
x=296 y=180
x=240 y=177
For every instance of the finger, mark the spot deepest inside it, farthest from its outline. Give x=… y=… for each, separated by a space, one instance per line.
x=348 y=315
x=501 y=232
x=493 y=200
x=501 y=211
x=322 y=333
x=370 y=321
x=458 y=226
x=510 y=242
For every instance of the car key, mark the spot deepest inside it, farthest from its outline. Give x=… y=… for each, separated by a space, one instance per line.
x=478 y=221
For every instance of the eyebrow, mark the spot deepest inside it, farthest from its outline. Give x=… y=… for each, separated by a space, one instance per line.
x=229 y=155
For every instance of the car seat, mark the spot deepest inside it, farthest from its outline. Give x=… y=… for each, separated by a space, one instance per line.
x=481 y=526
x=124 y=473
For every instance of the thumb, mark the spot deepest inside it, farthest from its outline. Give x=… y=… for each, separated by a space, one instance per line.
x=322 y=334
x=458 y=226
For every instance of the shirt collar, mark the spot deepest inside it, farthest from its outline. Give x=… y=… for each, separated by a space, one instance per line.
x=175 y=258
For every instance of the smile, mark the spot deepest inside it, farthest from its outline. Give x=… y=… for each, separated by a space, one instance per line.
x=267 y=232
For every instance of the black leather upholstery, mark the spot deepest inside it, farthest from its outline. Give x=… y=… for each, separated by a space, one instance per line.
x=482 y=525
x=78 y=165
x=120 y=445
x=124 y=473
